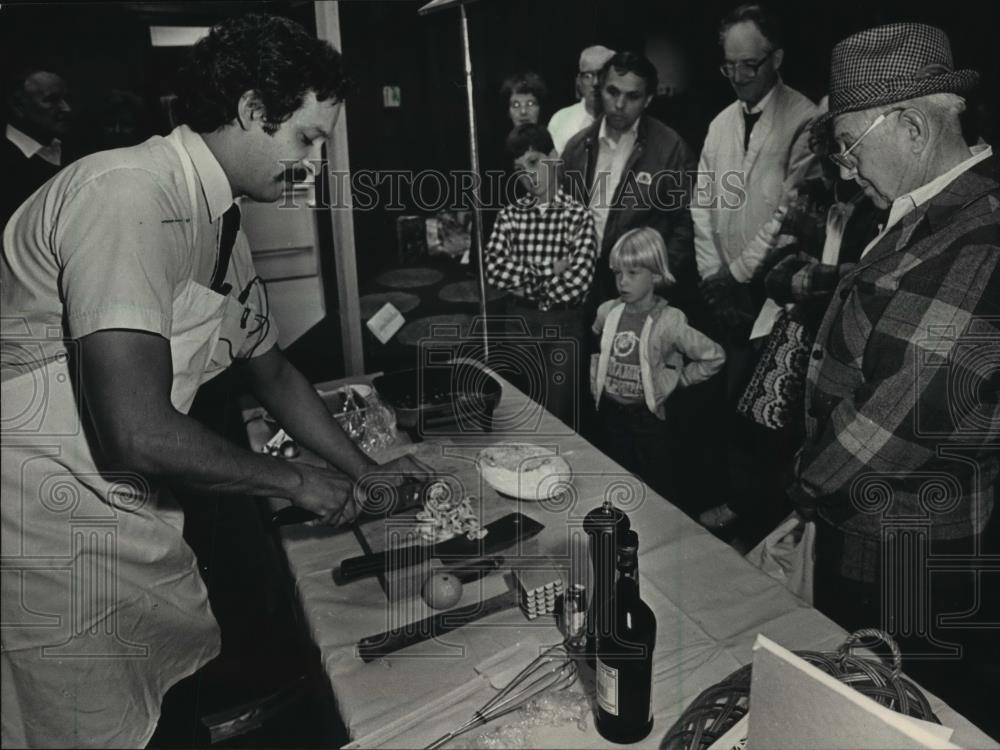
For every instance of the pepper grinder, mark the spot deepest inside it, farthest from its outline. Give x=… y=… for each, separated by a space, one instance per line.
x=605 y=525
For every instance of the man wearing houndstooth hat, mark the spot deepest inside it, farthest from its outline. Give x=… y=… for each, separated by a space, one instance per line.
x=900 y=463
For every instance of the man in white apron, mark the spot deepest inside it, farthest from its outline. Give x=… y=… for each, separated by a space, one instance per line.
x=125 y=285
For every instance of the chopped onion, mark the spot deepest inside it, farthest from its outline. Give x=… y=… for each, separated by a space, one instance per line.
x=445 y=515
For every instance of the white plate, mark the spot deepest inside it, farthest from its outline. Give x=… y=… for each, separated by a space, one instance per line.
x=524 y=471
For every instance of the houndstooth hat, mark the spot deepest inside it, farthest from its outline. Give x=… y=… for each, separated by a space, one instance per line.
x=890 y=64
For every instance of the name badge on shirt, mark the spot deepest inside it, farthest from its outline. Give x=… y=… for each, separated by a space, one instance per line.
x=644 y=178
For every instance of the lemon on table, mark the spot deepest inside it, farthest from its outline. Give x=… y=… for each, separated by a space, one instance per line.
x=442 y=590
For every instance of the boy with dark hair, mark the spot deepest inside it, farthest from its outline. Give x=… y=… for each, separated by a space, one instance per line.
x=542 y=250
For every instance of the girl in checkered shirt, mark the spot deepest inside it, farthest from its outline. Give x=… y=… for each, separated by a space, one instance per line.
x=647 y=351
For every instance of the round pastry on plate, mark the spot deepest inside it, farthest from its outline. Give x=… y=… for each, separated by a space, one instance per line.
x=524 y=471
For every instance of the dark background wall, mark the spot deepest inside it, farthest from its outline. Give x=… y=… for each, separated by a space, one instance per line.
x=386 y=43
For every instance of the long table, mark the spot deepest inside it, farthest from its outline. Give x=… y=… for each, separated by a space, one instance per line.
x=709 y=602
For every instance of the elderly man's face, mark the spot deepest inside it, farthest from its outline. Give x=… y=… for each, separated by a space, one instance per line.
x=755 y=61
x=43 y=105
x=588 y=84
x=880 y=159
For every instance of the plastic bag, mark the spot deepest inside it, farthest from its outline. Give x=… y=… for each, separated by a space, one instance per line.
x=787 y=554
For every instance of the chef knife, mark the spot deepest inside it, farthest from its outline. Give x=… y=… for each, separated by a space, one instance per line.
x=374 y=646
x=501 y=534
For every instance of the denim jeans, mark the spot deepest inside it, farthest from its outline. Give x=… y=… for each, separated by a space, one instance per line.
x=638 y=440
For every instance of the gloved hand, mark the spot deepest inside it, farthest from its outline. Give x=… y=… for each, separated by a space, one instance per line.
x=804 y=505
x=733 y=318
x=718 y=287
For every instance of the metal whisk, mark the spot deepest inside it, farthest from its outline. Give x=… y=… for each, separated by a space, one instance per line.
x=554 y=669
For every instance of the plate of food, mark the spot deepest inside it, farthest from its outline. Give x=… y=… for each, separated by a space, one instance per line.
x=524 y=471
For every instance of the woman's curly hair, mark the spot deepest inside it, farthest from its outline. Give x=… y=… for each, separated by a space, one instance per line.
x=273 y=56
x=523 y=83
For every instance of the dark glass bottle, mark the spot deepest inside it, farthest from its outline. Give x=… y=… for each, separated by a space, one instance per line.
x=625 y=657
x=605 y=525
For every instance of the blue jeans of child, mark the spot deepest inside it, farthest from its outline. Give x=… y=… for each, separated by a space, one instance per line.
x=638 y=440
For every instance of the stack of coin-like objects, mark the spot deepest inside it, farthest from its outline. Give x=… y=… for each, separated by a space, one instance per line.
x=540 y=589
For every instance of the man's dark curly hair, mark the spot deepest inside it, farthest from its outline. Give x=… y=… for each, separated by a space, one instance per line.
x=273 y=56
x=633 y=62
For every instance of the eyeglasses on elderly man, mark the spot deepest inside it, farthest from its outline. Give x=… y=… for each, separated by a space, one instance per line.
x=844 y=159
x=746 y=68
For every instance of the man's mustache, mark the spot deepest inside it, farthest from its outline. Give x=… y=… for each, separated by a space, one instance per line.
x=296 y=174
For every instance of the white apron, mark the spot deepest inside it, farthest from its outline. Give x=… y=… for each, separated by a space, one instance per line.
x=103 y=605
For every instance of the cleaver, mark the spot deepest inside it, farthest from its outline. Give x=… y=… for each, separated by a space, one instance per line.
x=501 y=534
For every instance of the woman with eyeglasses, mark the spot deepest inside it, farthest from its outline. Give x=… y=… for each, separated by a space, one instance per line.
x=523 y=94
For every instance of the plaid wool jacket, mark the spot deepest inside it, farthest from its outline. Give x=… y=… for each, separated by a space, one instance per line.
x=903 y=422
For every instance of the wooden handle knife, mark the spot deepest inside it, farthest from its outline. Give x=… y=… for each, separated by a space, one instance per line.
x=375 y=646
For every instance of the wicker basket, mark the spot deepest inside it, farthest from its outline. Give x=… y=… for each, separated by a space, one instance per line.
x=719 y=707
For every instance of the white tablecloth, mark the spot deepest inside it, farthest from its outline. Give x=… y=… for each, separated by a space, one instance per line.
x=709 y=602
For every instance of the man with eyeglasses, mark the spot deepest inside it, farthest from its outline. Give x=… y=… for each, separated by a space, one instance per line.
x=755 y=150
x=569 y=121
x=900 y=461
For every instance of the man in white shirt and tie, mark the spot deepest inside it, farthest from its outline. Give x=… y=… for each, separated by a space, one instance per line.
x=761 y=143
x=39 y=116
x=569 y=121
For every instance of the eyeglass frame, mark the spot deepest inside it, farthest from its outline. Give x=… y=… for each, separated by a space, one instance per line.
x=840 y=157
x=526 y=105
x=754 y=67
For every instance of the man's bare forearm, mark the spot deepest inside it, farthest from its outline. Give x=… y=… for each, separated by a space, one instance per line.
x=294 y=403
x=183 y=452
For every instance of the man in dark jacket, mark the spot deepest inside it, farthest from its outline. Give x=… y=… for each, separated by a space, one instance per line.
x=632 y=171
x=38 y=116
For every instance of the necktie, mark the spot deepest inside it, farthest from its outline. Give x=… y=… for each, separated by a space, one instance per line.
x=227 y=238
x=749 y=119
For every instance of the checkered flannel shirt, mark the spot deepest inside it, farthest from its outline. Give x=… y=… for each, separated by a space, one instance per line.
x=902 y=395
x=526 y=241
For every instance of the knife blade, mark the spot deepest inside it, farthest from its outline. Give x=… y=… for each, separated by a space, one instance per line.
x=501 y=534
x=374 y=646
